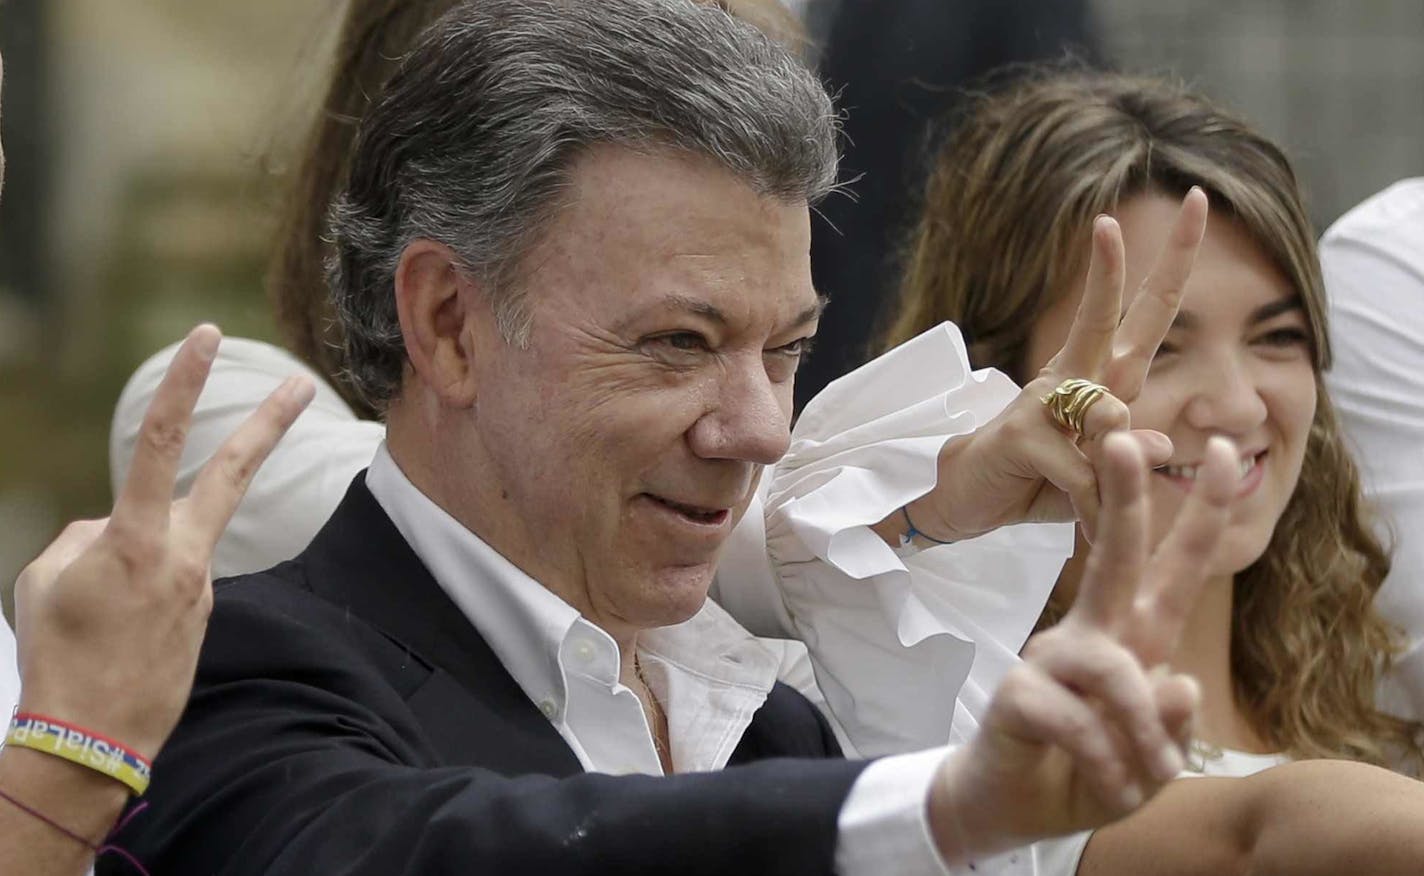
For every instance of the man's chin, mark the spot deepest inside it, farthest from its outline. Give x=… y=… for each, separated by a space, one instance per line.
x=678 y=593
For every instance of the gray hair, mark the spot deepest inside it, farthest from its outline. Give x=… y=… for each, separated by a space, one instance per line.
x=473 y=139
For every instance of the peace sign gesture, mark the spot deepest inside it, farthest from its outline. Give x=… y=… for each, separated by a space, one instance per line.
x=110 y=617
x=1092 y=723
x=1024 y=465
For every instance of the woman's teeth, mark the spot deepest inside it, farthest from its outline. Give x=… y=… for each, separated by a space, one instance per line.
x=1189 y=472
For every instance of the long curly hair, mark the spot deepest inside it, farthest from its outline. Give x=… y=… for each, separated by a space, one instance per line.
x=1005 y=227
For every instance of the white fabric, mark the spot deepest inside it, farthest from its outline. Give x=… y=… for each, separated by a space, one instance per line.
x=1208 y=761
x=9 y=672
x=710 y=675
x=896 y=638
x=1373 y=259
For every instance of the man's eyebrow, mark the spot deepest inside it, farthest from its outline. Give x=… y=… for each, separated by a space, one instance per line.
x=705 y=309
x=677 y=301
x=710 y=311
x=812 y=313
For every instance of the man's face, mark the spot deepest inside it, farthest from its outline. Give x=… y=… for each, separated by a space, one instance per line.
x=616 y=452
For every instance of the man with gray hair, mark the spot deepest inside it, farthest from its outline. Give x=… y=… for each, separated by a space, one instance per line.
x=572 y=264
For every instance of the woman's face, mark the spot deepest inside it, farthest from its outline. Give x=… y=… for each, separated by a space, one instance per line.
x=1236 y=362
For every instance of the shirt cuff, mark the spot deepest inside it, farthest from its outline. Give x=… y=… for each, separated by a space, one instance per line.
x=885 y=819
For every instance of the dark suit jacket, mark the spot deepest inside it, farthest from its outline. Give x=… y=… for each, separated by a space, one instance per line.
x=348 y=720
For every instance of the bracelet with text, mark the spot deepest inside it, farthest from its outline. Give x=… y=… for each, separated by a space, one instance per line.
x=79 y=746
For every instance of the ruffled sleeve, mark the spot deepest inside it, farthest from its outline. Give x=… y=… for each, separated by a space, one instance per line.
x=897 y=636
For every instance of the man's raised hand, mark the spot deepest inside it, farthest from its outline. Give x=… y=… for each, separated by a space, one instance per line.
x=110 y=617
x=1092 y=723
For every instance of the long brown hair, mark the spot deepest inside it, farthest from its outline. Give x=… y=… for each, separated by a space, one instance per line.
x=375 y=37
x=1005 y=229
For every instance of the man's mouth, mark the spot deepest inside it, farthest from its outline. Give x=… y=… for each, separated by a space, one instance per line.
x=695 y=513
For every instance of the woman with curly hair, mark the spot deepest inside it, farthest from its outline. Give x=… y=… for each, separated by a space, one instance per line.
x=1285 y=641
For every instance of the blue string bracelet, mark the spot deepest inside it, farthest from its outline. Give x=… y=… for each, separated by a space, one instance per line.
x=914 y=531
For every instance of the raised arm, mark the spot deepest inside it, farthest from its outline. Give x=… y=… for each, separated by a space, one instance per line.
x=110 y=617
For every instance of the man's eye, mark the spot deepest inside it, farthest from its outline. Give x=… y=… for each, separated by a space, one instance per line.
x=782 y=361
x=676 y=346
x=797 y=349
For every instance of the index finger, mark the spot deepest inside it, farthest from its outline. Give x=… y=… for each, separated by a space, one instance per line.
x=143 y=500
x=1152 y=310
x=220 y=486
x=1090 y=338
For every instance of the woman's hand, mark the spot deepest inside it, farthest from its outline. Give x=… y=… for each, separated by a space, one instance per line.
x=1023 y=466
x=109 y=619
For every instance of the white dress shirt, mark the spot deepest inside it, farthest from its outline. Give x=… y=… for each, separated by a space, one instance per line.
x=709 y=674
x=1373 y=259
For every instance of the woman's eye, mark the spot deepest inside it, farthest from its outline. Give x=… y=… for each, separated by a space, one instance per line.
x=1285 y=337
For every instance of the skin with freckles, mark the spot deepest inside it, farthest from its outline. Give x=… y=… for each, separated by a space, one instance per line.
x=611 y=456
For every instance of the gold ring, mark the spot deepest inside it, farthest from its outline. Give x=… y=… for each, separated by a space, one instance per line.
x=1068 y=404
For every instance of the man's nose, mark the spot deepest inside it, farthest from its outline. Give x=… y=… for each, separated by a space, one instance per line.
x=749 y=419
x=1227 y=398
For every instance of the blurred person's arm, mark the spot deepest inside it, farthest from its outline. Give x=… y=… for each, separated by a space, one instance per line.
x=111 y=615
x=299 y=485
x=1373 y=262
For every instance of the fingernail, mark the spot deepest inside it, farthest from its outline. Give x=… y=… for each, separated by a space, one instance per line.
x=206 y=342
x=1131 y=796
x=299 y=389
x=1169 y=764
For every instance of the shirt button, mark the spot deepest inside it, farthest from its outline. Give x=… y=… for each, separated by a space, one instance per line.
x=583 y=650
x=548 y=708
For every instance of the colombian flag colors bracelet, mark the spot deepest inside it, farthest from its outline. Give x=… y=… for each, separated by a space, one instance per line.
x=79 y=746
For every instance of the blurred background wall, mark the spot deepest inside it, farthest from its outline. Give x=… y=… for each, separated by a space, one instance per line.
x=145 y=139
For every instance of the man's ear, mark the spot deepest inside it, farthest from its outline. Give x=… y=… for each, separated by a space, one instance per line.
x=435 y=320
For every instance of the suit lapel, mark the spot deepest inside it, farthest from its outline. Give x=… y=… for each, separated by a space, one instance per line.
x=472 y=709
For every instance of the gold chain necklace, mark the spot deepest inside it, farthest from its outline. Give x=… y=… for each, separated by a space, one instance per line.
x=653 y=711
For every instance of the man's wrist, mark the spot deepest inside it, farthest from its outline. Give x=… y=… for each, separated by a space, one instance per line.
x=964 y=824
x=84 y=801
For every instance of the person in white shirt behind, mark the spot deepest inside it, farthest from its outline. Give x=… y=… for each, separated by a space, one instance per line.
x=1373 y=260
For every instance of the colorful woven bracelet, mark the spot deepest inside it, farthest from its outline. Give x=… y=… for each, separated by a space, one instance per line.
x=79 y=746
